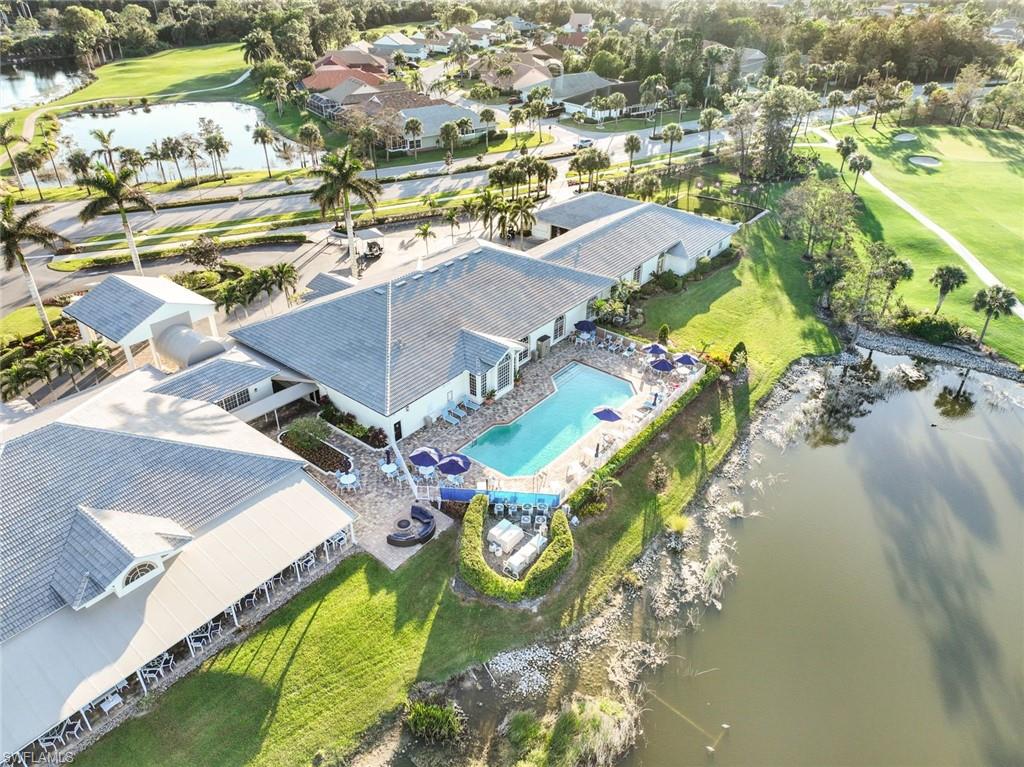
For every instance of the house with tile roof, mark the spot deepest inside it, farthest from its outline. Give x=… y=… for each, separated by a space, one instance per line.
x=388 y=45
x=579 y=22
x=432 y=116
x=355 y=57
x=585 y=102
x=327 y=76
x=131 y=516
x=566 y=86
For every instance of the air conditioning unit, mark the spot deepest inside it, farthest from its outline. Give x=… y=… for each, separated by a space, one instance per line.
x=543 y=347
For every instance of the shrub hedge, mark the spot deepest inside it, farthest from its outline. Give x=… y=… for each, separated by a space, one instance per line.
x=545 y=571
x=77 y=264
x=931 y=328
x=587 y=492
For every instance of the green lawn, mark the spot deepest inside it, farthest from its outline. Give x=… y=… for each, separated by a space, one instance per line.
x=343 y=652
x=24 y=322
x=977 y=194
x=635 y=123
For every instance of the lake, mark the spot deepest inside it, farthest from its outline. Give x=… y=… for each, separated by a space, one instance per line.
x=36 y=83
x=877 y=618
x=138 y=128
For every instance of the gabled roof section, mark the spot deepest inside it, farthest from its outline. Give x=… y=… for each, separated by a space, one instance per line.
x=389 y=344
x=214 y=380
x=568 y=85
x=325 y=284
x=167 y=460
x=584 y=208
x=119 y=304
x=618 y=243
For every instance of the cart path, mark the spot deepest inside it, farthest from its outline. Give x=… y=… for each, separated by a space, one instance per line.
x=972 y=261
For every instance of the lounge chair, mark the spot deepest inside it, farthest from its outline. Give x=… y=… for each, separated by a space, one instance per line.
x=449 y=419
x=615 y=345
x=456 y=411
x=469 y=404
x=630 y=350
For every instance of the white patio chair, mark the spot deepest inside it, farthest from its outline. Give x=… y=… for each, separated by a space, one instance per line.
x=630 y=350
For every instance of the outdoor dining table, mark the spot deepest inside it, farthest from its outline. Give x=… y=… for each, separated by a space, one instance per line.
x=390 y=469
x=347 y=480
x=425 y=471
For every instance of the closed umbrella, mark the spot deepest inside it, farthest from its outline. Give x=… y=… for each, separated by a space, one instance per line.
x=663 y=365
x=586 y=326
x=425 y=456
x=455 y=463
x=687 y=359
x=656 y=349
x=605 y=413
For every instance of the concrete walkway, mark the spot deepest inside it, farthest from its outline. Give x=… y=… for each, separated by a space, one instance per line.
x=972 y=261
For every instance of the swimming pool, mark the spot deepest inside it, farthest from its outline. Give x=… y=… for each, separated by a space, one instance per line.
x=545 y=431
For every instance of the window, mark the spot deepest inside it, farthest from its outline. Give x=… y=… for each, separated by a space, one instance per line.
x=638 y=273
x=414 y=143
x=559 y=326
x=504 y=373
x=237 y=399
x=398 y=430
x=138 y=571
x=474 y=385
x=524 y=355
x=708 y=254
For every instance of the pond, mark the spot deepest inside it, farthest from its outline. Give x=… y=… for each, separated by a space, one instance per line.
x=138 y=128
x=36 y=83
x=877 y=616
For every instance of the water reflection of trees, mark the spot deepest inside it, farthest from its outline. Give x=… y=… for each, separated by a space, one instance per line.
x=955 y=403
x=847 y=396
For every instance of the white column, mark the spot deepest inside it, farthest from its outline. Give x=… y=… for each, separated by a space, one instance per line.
x=234 y=617
x=85 y=718
x=142 y=681
x=127 y=349
x=212 y=319
x=266 y=590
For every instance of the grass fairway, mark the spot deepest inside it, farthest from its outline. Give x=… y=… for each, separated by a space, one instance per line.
x=24 y=322
x=977 y=194
x=345 y=651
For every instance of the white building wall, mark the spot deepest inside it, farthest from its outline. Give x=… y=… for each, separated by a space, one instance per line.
x=687 y=263
x=144 y=333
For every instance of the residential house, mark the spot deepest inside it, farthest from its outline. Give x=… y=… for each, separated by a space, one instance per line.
x=133 y=517
x=626 y=239
x=584 y=102
x=353 y=93
x=355 y=58
x=579 y=22
x=523 y=76
x=572 y=41
x=566 y=86
x=629 y=24
x=329 y=76
x=478 y=38
x=396 y=354
x=388 y=45
x=432 y=116
x=521 y=25
x=1006 y=32
x=752 y=61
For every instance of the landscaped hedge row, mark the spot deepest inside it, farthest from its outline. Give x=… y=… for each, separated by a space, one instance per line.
x=76 y=264
x=586 y=492
x=545 y=571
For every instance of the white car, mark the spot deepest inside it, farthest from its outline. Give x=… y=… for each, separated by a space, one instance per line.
x=583 y=143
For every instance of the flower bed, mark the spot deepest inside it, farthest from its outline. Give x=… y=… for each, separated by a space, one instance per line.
x=539 y=578
x=325 y=457
x=373 y=436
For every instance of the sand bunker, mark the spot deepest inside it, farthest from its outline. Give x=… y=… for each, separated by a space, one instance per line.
x=925 y=161
x=904 y=137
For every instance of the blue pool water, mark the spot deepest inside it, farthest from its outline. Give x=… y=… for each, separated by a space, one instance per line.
x=547 y=430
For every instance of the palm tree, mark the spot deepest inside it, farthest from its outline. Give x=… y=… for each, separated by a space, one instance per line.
x=414 y=80
x=341 y=178
x=713 y=56
x=460 y=51
x=41 y=363
x=96 y=353
x=859 y=163
x=49 y=146
x=227 y=297
x=414 y=129
x=451 y=216
x=286 y=278
x=710 y=119
x=79 y=163
x=261 y=134
x=489 y=205
x=105 y=138
x=449 y=134
x=217 y=146
x=155 y=154
x=835 y=100
x=369 y=137
x=652 y=91
x=649 y=186
x=469 y=208
x=672 y=133
x=192 y=150
x=276 y=89
x=311 y=138
x=7 y=137
x=68 y=359
x=632 y=146
x=516 y=118
x=947 y=278
x=487 y=117
x=15 y=377
x=617 y=102
x=995 y=301
x=521 y=212
x=257 y=46
x=171 y=148
x=425 y=233
x=263 y=281
x=895 y=271
x=847 y=147
x=546 y=173
x=116 y=190
x=26 y=228
x=32 y=160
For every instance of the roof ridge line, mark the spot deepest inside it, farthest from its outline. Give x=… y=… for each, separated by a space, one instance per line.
x=387 y=354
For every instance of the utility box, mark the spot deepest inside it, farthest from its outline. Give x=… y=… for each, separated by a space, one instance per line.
x=543 y=347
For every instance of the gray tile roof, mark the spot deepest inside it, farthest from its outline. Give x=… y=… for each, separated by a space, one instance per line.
x=114 y=308
x=387 y=345
x=324 y=284
x=619 y=243
x=48 y=473
x=572 y=84
x=118 y=305
x=584 y=208
x=436 y=115
x=213 y=381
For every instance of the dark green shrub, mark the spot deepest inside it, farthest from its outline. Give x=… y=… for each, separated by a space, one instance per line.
x=375 y=437
x=542 y=575
x=308 y=432
x=933 y=328
x=668 y=280
x=663 y=334
x=198 y=280
x=435 y=723
x=11 y=356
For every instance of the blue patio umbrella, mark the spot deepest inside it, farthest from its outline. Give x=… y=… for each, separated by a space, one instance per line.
x=663 y=365
x=605 y=413
x=425 y=456
x=656 y=349
x=586 y=326
x=455 y=463
x=687 y=359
